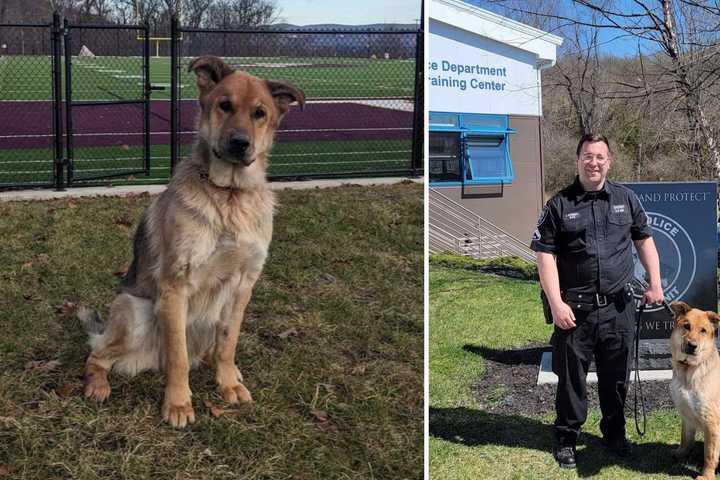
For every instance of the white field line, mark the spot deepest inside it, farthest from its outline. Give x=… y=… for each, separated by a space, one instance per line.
x=194 y=100
x=271 y=65
x=25 y=91
x=88 y=170
x=334 y=153
x=278 y=155
x=117 y=134
x=354 y=162
x=326 y=81
x=183 y=85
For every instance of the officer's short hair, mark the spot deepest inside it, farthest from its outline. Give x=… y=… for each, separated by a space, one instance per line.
x=592 y=138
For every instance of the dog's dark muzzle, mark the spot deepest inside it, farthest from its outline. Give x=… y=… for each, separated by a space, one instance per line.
x=689 y=348
x=236 y=150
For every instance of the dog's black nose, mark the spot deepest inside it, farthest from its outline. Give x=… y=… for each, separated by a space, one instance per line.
x=690 y=348
x=238 y=144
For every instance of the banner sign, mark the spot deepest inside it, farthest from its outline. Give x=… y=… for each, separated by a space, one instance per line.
x=683 y=217
x=468 y=73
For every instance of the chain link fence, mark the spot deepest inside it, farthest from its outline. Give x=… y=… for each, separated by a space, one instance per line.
x=106 y=102
x=359 y=87
x=27 y=133
x=85 y=104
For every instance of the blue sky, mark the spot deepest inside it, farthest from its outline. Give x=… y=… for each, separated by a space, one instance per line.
x=349 y=12
x=611 y=41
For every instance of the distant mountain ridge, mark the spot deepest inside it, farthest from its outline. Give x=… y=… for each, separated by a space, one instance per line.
x=337 y=26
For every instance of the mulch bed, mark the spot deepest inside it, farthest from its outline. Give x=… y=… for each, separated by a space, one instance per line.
x=509 y=384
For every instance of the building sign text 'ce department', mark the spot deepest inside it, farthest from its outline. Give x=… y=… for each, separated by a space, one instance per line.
x=459 y=76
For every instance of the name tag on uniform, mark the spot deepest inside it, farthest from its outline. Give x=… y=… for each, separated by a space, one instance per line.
x=572 y=216
x=618 y=208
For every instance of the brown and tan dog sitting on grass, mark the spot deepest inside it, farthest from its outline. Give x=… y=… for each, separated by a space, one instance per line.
x=199 y=248
x=695 y=387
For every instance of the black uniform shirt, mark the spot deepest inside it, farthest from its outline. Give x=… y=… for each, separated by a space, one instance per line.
x=591 y=235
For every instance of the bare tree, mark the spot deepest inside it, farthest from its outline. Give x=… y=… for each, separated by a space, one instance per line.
x=241 y=13
x=63 y=6
x=679 y=71
x=580 y=75
x=122 y=11
x=146 y=10
x=194 y=12
x=172 y=7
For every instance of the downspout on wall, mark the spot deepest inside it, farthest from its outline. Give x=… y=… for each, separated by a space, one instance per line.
x=542 y=64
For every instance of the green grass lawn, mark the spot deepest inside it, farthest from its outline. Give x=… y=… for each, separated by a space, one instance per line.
x=28 y=166
x=331 y=348
x=120 y=78
x=475 y=309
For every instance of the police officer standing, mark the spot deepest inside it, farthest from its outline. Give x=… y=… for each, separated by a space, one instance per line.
x=583 y=244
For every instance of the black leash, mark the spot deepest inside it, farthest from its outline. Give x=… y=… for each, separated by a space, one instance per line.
x=638 y=385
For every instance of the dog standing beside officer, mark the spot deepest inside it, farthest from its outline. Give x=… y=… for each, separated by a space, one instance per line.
x=583 y=244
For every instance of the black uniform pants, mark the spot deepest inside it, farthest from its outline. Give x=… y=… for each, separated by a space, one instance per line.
x=605 y=333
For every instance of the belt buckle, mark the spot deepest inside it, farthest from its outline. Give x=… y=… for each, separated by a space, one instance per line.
x=599 y=303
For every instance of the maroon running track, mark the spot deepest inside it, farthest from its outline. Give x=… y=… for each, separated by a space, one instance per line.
x=29 y=124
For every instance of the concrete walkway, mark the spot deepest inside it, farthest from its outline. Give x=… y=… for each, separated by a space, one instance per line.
x=546 y=375
x=48 y=194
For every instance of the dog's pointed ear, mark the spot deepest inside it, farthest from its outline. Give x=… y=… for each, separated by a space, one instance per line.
x=714 y=318
x=679 y=308
x=284 y=94
x=209 y=70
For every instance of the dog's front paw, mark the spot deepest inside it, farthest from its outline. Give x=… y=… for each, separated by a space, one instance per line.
x=177 y=409
x=236 y=394
x=97 y=386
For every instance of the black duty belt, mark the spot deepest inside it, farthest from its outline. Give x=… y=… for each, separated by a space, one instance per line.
x=592 y=301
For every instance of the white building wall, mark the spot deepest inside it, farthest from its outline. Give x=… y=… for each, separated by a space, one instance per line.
x=469 y=73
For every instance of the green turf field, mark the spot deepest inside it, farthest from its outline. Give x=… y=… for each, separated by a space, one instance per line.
x=28 y=78
x=287 y=159
x=120 y=78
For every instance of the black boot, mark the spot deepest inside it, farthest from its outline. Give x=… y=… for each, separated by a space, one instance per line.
x=618 y=446
x=565 y=456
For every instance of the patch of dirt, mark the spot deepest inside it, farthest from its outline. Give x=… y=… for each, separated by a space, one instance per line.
x=509 y=385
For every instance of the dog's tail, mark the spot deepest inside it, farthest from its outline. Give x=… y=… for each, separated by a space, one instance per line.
x=90 y=318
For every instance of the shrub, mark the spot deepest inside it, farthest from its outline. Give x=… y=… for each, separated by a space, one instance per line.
x=514 y=267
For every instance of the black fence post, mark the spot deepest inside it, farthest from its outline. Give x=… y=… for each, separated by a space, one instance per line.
x=174 y=79
x=418 y=109
x=67 y=47
x=146 y=97
x=57 y=101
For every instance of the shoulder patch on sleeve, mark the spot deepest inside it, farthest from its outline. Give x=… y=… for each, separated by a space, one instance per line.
x=543 y=215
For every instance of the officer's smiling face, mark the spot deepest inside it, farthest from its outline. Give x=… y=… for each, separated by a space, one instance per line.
x=593 y=164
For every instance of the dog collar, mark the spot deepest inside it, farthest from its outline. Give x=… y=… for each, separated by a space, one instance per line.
x=205 y=175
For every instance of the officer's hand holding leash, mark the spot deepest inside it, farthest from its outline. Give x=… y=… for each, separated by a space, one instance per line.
x=653 y=295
